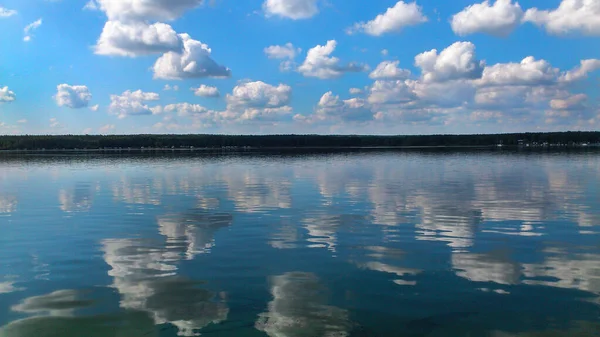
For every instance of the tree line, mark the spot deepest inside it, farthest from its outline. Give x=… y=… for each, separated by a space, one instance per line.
x=49 y=142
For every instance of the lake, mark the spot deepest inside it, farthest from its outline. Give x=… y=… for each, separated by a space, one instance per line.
x=390 y=243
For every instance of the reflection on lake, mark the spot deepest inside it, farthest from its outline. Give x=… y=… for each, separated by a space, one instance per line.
x=364 y=244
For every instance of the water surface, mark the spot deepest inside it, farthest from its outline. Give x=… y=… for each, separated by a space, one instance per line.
x=360 y=244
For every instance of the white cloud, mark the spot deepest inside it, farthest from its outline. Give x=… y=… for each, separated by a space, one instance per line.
x=136 y=39
x=107 y=128
x=571 y=16
x=395 y=19
x=168 y=87
x=6 y=95
x=74 y=97
x=529 y=72
x=389 y=70
x=356 y=91
x=320 y=64
x=287 y=51
x=581 y=72
x=259 y=95
x=390 y=92
x=185 y=109
x=291 y=9
x=458 y=61
x=193 y=62
x=4 y=12
x=144 y=10
x=206 y=91
x=385 y=52
x=258 y=101
x=22 y=121
x=54 y=124
x=331 y=108
x=132 y=103
x=95 y=107
x=30 y=28
x=91 y=6
x=574 y=102
x=499 y=19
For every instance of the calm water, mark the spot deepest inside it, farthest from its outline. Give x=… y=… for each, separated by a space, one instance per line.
x=361 y=244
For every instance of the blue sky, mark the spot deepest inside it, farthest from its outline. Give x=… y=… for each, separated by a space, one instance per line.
x=298 y=66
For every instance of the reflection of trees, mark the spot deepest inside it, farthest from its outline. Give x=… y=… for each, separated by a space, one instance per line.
x=8 y=204
x=298 y=309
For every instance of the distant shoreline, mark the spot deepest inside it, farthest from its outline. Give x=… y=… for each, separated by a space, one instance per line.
x=144 y=143
x=271 y=149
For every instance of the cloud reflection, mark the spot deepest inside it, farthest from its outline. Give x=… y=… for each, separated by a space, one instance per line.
x=298 y=309
x=77 y=199
x=193 y=230
x=145 y=272
x=8 y=204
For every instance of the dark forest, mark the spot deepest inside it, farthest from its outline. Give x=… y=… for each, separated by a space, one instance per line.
x=27 y=142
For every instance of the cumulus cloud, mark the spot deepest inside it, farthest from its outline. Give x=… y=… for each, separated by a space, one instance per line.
x=5 y=12
x=144 y=10
x=168 y=87
x=320 y=64
x=258 y=100
x=206 y=91
x=6 y=95
x=454 y=87
x=55 y=124
x=131 y=103
x=136 y=39
x=30 y=28
x=186 y=109
x=529 y=72
x=574 y=102
x=91 y=6
x=390 y=92
x=499 y=19
x=95 y=107
x=356 y=91
x=581 y=72
x=287 y=51
x=458 y=61
x=395 y=19
x=389 y=70
x=291 y=9
x=259 y=95
x=330 y=107
x=571 y=16
x=107 y=128
x=193 y=62
x=73 y=96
